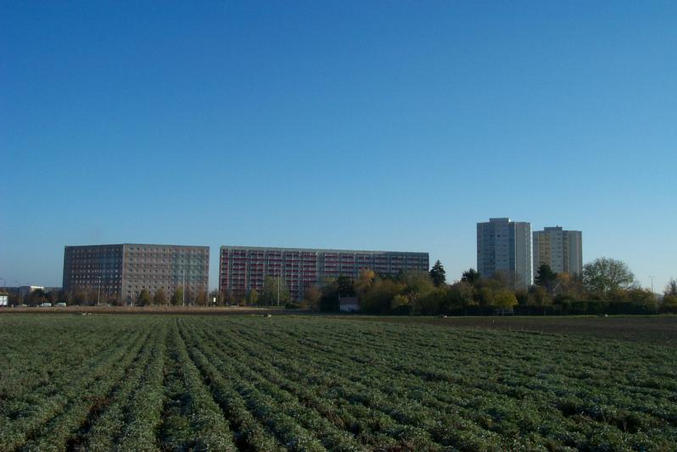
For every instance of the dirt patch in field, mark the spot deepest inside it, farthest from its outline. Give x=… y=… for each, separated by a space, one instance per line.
x=191 y=310
x=654 y=329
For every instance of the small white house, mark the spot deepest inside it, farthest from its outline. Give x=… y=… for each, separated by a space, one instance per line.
x=349 y=304
x=4 y=299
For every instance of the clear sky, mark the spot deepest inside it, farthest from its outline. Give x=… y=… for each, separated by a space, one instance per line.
x=378 y=125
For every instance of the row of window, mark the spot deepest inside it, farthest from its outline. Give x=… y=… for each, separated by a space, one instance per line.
x=156 y=269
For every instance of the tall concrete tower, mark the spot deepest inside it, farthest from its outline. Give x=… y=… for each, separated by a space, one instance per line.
x=504 y=246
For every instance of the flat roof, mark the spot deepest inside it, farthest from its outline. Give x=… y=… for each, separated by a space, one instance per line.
x=138 y=244
x=557 y=228
x=316 y=250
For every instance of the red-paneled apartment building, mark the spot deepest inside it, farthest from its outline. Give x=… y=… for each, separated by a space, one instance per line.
x=242 y=268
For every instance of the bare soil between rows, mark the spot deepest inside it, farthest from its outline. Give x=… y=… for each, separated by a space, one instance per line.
x=657 y=329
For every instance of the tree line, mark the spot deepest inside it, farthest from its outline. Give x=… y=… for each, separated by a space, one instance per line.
x=275 y=291
x=92 y=297
x=606 y=286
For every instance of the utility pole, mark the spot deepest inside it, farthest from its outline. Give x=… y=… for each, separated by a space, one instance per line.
x=651 y=278
x=183 y=289
x=98 y=292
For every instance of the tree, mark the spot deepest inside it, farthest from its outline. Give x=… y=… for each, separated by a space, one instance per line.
x=15 y=299
x=461 y=296
x=112 y=299
x=605 y=275
x=364 y=282
x=502 y=279
x=160 y=298
x=434 y=302
x=227 y=297
x=345 y=286
x=644 y=299
x=486 y=296
x=471 y=276
x=36 y=297
x=538 y=297
x=53 y=296
x=380 y=295
x=669 y=303
x=177 y=297
x=546 y=278
x=311 y=298
x=79 y=297
x=437 y=274
x=569 y=285
x=275 y=291
x=144 y=298
x=505 y=299
x=252 y=297
x=201 y=298
x=93 y=296
x=417 y=284
x=329 y=299
x=398 y=302
x=188 y=297
x=64 y=297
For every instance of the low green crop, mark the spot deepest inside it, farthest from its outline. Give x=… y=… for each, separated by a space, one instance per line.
x=324 y=383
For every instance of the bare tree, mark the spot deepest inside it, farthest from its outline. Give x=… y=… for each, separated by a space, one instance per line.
x=604 y=275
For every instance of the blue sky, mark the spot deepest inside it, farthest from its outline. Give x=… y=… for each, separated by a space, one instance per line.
x=377 y=125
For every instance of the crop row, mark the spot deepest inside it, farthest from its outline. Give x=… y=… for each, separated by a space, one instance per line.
x=378 y=420
x=191 y=417
x=297 y=427
x=493 y=406
x=273 y=384
x=44 y=414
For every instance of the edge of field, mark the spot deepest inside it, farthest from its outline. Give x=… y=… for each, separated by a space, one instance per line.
x=655 y=329
x=229 y=310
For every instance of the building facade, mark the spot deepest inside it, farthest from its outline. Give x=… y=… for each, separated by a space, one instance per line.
x=122 y=271
x=562 y=250
x=504 y=246
x=242 y=268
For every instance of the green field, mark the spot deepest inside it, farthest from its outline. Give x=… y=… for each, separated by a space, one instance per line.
x=162 y=382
